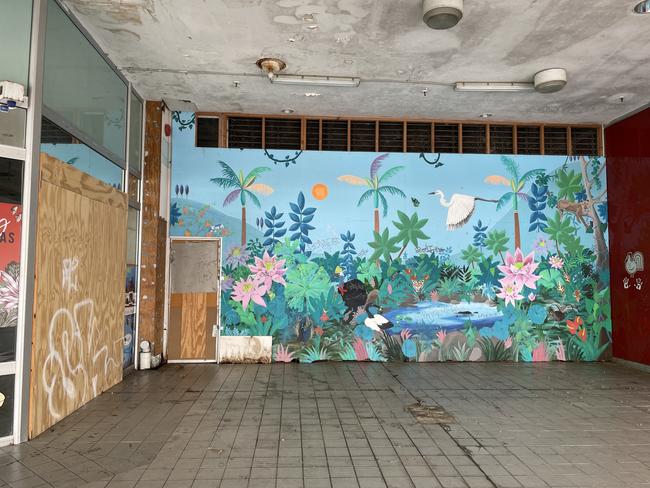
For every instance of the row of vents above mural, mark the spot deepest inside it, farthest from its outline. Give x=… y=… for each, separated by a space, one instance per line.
x=395 y=136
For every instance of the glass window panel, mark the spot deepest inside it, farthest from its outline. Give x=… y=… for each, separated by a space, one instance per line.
x=131 y=281
x=80 y=86
x=10 y=228
x=135 y=136
x=59 y=144
x=6 y=404
x=134 y=189
x=12 y=127
x=15 y=39
x=132 y=237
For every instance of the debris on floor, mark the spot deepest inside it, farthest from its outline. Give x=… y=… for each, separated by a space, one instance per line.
x=430 y=414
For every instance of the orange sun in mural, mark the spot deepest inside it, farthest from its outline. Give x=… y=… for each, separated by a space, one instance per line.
x=320 y=191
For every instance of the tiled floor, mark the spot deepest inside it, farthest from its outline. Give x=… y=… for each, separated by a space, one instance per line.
x=346 y=425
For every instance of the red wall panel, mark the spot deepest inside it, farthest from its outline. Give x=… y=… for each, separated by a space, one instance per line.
x=627 y=147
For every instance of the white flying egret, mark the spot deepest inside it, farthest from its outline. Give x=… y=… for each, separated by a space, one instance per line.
x=461 y=208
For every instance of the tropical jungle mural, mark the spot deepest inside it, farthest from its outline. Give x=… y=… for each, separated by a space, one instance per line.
x=403 y=257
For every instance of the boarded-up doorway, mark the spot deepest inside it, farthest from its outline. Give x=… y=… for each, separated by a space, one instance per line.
x=78 y=330
x=195 y=272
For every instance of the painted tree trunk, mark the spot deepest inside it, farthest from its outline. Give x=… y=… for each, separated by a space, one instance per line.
x=243 y=225
x=602 y=254
x=377 y=220
x=517 y=232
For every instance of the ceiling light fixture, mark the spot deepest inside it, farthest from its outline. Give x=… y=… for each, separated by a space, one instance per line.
x=642 y=7
x=288 y=111
x=493 y=86
x=486 y=115
x=550 y=80
x=336 y=81
x=312 y=94
x=442 y=14
x=271 y=66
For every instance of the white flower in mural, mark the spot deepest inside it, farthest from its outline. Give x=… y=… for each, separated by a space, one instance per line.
x=8 y=291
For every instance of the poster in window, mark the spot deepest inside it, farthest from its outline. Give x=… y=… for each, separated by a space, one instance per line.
x=10 y=225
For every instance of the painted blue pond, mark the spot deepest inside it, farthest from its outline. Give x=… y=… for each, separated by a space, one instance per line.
x=427 y=318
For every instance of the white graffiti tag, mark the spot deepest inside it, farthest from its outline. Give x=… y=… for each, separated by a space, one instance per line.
x=69 y=274
x=79 y=361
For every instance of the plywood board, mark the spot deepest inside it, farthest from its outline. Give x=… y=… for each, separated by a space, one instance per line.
x=78 y=313
x=245 y=349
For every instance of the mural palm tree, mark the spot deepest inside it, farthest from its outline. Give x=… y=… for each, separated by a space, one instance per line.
x=244 y=188
x=516 y=182
x=377 y=186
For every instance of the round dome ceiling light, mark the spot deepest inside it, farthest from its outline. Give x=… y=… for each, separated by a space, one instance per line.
x=550 y=80
x=642 y=7
x=442 y=14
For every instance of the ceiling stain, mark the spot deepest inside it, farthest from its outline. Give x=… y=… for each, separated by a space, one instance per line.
x=117 y=13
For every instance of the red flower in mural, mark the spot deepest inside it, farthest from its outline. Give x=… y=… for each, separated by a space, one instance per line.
x=264 y=319
x=318 y=331
x=582 y=334
x=574 y=325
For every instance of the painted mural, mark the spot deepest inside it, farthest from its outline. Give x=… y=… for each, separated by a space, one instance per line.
x=403 y=257
x=10 y=228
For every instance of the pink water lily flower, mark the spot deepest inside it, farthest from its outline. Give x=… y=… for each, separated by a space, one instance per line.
x=8 y=291
x=556 y=262
x=510 y=291
x=268 y=269
x=249 y=289
x=507 y=343
x=519 y=270
x=531 y=297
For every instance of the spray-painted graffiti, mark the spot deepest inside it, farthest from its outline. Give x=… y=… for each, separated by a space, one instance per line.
x=80 y=352
x=79 y=361
x=69 y=275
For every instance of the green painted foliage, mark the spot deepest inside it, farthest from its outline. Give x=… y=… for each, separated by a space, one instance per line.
x=305 y=284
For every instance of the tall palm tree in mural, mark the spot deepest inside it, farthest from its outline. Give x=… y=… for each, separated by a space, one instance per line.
x=244 y=188
x=377 y=186
x=516 y=182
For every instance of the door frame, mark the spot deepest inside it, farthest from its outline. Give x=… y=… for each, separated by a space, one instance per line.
x=168 y=295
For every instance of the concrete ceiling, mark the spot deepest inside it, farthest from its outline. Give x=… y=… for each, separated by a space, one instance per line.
x=196 y=49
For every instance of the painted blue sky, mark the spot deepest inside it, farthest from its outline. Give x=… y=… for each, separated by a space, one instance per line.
x=339 y=212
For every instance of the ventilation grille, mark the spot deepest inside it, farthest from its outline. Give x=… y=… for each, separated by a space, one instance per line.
x=446 y=138
x=502 y=139
x=362 y=136
x=328 y=134
x=207 y=132
x=391 y=136
x=529 y=139
x=555 y=141
x=312 y=141
x=245 y=132
x=335 y=135
x=474 y=139
x=418 y=137
x=584 y=141
x=282 y=133
x=52 y=134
